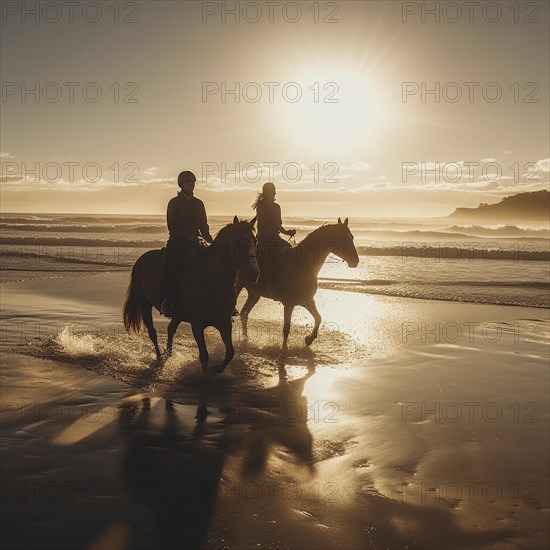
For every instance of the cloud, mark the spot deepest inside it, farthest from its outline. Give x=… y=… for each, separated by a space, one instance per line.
x=488 y=160
x=544 y=165
x=360 y=167
x=6 y=155
x=151 y=171
x=27 y=183
x=10 y=178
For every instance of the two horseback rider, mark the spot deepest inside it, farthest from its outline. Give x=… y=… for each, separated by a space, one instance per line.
x=230 y=264
x=187 y=221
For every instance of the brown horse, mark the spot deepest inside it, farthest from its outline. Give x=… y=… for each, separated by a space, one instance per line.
x=297 y=274
x=206 y=294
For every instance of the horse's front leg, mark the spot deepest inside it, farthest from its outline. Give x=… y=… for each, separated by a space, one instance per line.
x=226 y=333
x=172 y=328
x=251 y=301
x=289 y=308
x=198 y=333
x=312 y=308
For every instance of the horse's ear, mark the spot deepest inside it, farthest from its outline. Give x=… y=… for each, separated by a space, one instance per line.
x=235 y=220
x=339 y=221
x=252 y=222
x=346 y=221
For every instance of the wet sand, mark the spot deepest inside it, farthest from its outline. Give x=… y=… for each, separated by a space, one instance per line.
x=408 y=424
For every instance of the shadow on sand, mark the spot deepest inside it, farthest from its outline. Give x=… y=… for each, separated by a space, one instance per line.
x=174 y=454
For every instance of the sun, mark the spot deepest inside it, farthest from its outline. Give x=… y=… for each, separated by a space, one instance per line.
x=340 y=110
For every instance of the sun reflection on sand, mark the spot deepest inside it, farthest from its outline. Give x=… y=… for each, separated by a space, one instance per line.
x=320 y=388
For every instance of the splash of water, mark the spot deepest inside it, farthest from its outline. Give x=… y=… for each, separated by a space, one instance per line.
x=75 y=345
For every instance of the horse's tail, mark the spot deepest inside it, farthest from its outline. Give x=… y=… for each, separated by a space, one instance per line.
x=133 y=318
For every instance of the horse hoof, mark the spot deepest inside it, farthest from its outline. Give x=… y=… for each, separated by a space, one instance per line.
x=309 y=340
x=219 y=369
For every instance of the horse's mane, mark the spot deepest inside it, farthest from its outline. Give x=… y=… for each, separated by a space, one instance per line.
x=224 y=229
x=220 y=232
x=315 y=232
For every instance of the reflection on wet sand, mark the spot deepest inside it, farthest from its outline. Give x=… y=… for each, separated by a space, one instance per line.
x=174 y=460
x=312 y=449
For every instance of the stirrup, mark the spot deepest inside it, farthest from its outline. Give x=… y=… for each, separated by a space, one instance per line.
x=166 y=308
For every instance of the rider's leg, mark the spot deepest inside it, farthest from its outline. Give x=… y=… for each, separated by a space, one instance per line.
x=178 y=252
x=279 y=261
x=170 y=279
x=267 y=249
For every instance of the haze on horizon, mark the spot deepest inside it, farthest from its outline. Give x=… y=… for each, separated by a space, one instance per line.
x=353 y=145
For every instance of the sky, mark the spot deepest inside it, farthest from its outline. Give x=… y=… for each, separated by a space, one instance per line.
x=359 y=108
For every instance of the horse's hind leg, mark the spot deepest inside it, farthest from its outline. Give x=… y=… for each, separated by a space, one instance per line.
x=312 y=308
x=172 y=328
x=225 y=331
x=289 y=308
x=146 y=313
x=239 y=285
x=198 y=333
x=251 y=301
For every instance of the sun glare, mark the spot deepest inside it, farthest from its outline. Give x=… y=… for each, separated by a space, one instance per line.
x=340 y=110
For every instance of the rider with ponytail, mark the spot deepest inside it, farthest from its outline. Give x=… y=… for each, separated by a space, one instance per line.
x=271 y=246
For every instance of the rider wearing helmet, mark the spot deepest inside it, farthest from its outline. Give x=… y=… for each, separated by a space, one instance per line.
x=186 y=220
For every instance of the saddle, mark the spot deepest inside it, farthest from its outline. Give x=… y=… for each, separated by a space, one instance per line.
x=186 y=258
x=272 y=251
x=188 y=263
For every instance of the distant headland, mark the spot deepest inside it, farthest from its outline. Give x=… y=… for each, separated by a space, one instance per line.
x=534 y=206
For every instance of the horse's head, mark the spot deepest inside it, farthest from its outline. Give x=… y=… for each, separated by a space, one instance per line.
x=239 y=247
x=342 y=243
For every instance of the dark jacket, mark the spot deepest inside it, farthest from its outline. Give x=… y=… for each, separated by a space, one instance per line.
x=186 y=218
x=269 y=219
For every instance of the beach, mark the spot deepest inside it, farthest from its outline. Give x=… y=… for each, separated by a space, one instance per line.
x=412 y=423
x=385 y=165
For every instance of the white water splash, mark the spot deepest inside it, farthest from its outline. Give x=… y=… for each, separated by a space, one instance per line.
x=75 y=345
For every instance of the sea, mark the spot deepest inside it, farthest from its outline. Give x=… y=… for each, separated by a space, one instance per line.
x=432 y=259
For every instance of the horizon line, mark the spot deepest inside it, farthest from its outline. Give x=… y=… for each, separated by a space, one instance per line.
x=240 y=216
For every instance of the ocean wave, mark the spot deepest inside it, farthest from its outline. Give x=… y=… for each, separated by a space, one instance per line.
x=435 y=283
x=81 y=241
x=445 y=236
x=501 y=231
x=431 y=292
x=491 y=251
x=83 y=219
x=72 y=228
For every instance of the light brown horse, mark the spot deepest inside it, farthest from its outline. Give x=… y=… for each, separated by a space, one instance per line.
x=206 y=294
x=297 y=275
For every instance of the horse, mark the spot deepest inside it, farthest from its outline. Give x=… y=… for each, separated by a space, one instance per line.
x=297 y=276
x=205 y=295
